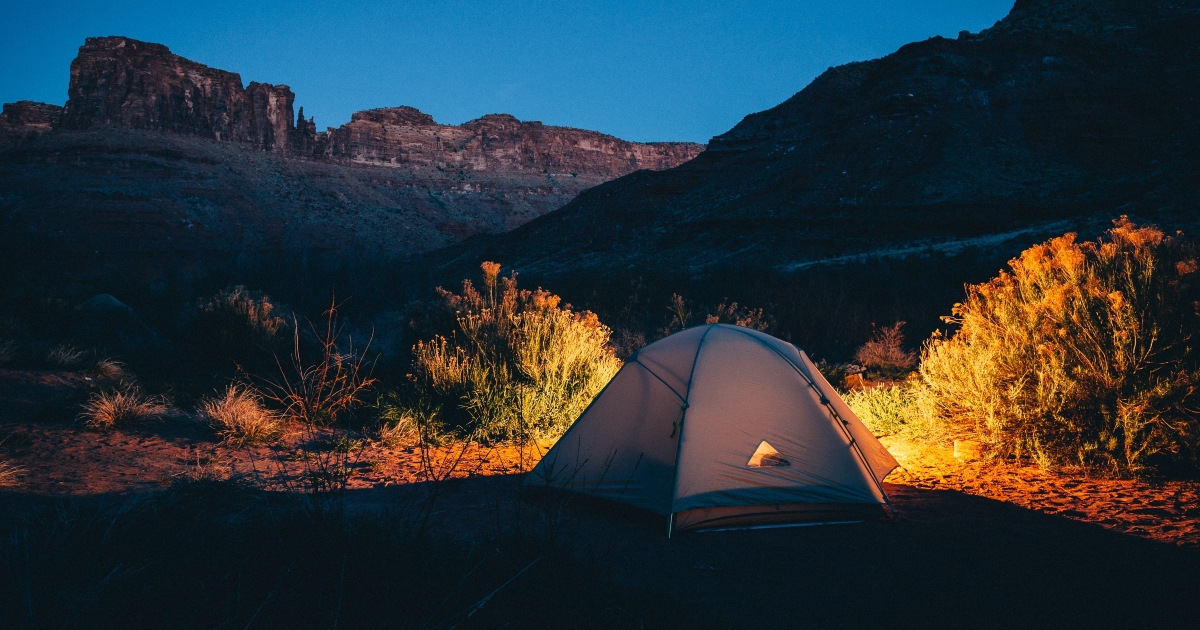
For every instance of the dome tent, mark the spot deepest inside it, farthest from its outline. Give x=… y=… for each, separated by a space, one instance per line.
x=722 y=426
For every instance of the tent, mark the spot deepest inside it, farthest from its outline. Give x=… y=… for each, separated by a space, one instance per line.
x=723 y=426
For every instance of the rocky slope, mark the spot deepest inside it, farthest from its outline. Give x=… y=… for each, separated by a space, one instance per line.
x=1066 y=113
x=159 y=153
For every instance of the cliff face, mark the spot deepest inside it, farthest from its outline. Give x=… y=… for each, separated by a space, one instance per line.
x=122 y=82
x=25 y=120
x=1066 y=113
x=403 y=136
x=158 y=153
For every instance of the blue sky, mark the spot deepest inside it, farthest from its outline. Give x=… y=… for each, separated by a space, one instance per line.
x=638 y=70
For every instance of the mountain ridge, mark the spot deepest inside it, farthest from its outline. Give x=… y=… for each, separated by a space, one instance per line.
x=1072 y=110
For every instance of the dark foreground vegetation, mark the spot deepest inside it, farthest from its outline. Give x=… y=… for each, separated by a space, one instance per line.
x=214 y=555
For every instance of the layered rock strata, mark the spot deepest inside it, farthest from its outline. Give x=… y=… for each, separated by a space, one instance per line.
x=155 y=152
x=122 y=82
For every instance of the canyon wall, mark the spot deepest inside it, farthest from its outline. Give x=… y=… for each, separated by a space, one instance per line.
x=122 y=82
x=125 y=83
x=154 y=152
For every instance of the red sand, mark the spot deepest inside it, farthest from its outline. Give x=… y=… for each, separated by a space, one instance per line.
x=57 y=456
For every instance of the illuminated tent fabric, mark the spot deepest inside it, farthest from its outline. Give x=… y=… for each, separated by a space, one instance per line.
x=722 y=425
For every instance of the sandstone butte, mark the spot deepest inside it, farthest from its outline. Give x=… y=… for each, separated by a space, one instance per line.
x=122 y=82
x=417 y=183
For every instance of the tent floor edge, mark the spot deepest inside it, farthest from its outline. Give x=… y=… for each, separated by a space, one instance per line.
x=758 y=516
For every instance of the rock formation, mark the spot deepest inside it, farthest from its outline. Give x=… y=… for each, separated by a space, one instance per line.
x=397 y=136
x=155 y=152
x=1065 y=113
x=123 y=82
x=24 y=120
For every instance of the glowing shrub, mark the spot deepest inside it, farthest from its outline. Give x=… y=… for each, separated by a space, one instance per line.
x=1082 y=354
x=518 y=365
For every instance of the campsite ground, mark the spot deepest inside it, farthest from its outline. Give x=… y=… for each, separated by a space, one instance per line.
x=975 y=544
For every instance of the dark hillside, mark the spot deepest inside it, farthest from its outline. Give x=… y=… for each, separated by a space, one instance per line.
x=1063 y=115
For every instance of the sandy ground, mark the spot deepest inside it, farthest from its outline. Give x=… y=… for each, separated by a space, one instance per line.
x=975 y=544
x=57 y=456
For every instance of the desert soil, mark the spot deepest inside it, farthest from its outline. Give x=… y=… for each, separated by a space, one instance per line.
x=1032 y=547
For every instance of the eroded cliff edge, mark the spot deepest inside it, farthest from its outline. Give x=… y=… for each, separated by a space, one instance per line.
x=154 y=151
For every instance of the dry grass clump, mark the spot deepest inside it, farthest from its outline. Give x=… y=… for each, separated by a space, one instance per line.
x=885 y=350
x=65 y=356
x=518 y=365
x=1082 y=354
x=9 y=474
x=110 y=370
x=121 y=407
x=239 y=418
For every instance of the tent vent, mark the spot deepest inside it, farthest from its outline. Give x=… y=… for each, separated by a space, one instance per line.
x=766 y=455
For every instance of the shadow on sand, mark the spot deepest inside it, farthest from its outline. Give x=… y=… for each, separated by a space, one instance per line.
x=949 y=560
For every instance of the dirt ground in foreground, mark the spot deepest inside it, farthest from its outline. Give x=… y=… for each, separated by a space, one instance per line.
x=974 y=545
x=54 y=454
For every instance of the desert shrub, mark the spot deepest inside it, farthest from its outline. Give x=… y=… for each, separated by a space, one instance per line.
x=885 y=351
x=239 y=418
x=730 y=313
x=1080 y=354
x=238 y=325
x=680 y=315
x=894 y=410
x=321 y=389
x=65 y=356
x=518 y=365
x=125 y=405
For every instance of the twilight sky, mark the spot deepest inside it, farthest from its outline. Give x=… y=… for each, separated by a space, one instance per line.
x=644 y=71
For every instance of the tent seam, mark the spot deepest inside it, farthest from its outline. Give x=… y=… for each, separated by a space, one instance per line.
x=825 y=402
x=682 y=418
x=660 y=379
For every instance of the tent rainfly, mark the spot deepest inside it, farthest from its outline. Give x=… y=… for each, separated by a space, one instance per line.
x=723 y=426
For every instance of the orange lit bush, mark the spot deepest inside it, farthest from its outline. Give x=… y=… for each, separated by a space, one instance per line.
x=518 y=365
x=1083 y=354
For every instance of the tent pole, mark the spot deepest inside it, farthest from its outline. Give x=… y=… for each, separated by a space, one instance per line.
x=670 y=523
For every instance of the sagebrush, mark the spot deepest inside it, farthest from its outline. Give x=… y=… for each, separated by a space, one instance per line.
x=885 y=350
x=1082 y=354
x=519 y=364
x=238 y=325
